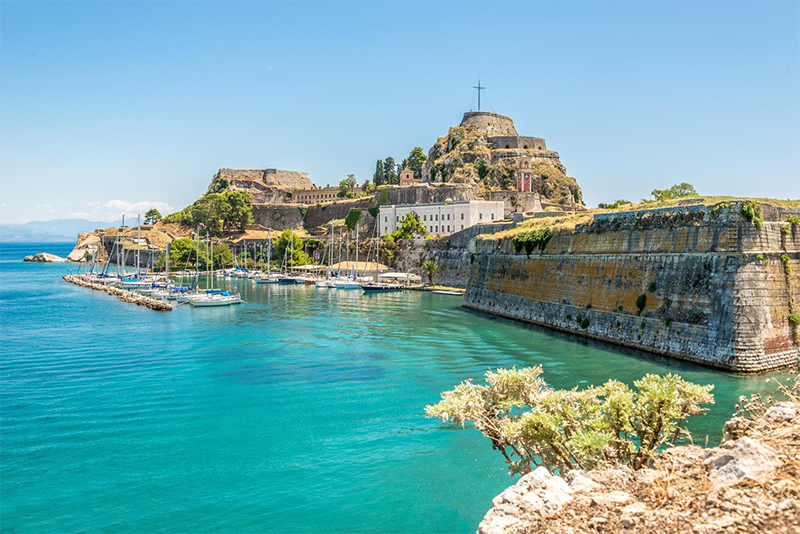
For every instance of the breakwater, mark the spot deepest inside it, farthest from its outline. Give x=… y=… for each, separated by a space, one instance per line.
x=699 y=283
x=122 y=294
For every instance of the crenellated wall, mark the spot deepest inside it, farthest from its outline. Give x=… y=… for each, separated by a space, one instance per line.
x=715 y=288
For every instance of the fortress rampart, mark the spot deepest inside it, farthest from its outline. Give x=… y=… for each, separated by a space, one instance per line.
x=698 y=284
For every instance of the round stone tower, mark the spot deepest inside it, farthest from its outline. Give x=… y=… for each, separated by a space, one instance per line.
x=491 y=123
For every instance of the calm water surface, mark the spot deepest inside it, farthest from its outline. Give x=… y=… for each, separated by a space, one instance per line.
x=299 y=411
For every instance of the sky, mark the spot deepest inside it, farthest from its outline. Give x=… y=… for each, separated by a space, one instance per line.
x=115 y=107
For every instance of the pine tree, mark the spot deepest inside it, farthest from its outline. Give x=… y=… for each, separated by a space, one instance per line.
x=390 y=171
x=416 y=159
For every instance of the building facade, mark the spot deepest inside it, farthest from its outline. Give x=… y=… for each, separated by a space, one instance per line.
x=442 y=218
x=407 y=177
x=319 y=195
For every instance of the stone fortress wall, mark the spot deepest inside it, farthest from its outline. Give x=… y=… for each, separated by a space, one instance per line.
x=703 y=285
x=517 y=141
x=492 y=123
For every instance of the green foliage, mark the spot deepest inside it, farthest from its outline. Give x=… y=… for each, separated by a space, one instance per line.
x=352 y=219
x=431 y=268
x=347 y=187
x=794 y=220
x=584 y=323
x=222 y=256
x=378 y=178
x=152 y=216
x=761 y=258
x=785 y=259
x=533 y=424
x=410 y=226
x=641 y=302
x=303 y=212
x=616 y=204
x=217 y=212
x=183 y=254
x=537 y=238
x=681 y=190
x=786 y=230
x=483 y=170
x=652 y=287
x=390 y=171
x=794 y=318
x=752 y=212
x=416 y=159
x=367 y=188
x=295 y=256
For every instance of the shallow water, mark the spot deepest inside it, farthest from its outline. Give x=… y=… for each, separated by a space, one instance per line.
x=299 y=411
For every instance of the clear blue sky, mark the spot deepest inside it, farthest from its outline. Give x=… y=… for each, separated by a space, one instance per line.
x=111 y=107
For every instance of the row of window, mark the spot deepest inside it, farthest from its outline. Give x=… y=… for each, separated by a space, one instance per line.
x=425 y=217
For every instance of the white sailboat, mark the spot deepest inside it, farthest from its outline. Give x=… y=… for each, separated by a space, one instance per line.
x=212 y=297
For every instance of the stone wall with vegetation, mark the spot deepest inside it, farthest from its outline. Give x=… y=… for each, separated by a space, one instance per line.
x=696 y=283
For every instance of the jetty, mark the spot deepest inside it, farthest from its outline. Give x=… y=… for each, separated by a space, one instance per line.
x=121 y=294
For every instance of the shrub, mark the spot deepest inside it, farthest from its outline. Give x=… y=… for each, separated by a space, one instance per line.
x=652 y=287
x=794 y=318
x=537 y=238
x=794 y=220
x=761 y=258
x=585 y=323
x=785 y=259
x=752 y=212
x=641 y=302
x=786 y=230
x=533 y=424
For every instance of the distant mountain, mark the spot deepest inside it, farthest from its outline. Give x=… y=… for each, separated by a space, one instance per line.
x=55 y=231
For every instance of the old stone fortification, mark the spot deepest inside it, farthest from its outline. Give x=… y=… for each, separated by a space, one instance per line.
x=454 y=254
x=278 y=216
x=486 y=152
x=321 y=215
x=697 y=283
x=425 y=194
x=266 y=185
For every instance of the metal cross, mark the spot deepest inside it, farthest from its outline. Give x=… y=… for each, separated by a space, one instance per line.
x=479 y=88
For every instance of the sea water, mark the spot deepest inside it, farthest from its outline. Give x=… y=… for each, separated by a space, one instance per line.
x=301 y=410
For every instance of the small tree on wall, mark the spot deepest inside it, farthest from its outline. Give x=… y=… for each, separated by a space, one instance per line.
x=431 y=268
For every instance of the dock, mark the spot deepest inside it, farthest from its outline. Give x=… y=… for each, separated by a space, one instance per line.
x=122 y=294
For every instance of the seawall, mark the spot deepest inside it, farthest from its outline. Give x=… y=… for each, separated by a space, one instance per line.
x=696 y=283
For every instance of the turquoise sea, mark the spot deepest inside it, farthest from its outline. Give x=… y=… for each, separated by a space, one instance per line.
x=299 y=411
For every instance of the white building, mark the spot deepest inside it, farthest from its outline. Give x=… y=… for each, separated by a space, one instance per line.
x=444 y=218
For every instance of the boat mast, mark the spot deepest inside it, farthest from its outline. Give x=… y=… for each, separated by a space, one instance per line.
x=355 y=273
x=123 y=246
x=138 y=241
x=269 y=252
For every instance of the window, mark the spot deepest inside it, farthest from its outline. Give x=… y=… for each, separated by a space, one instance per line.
x=462 y=226
x=437 y=216
x=492 y=216
x=448 y=216
x=397 y=219
x=480 y=216
x=386 y=219
x=524 y=146
x=448 y=227
x=462 y=217
x=424 y=217
x=436 y=228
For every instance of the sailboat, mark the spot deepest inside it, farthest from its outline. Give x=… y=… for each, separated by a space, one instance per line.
x=268 y=277
x=327 y=282
x=212 y=297
x=350 y=282
x=377 y=286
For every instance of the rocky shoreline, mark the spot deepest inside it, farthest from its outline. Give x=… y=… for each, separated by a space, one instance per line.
x=45 y=257
x=750 y=483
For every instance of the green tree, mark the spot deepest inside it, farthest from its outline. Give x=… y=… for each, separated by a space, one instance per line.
x=416 y=160
x=222 y=256
x=681 y=190
x=237 y=210
x=217 y=212
x=431 y=268
x=296 y=256
x=533 y=424
x=152 y=216
x=183 y=254
x=347 y=186
x=410 y=226
x=390 y=171
x=368 y=187
x=379 y=177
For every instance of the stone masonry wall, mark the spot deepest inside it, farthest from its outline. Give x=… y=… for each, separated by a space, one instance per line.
x=715 y=292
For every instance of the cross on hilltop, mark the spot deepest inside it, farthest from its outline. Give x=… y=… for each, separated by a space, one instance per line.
x=479 y=88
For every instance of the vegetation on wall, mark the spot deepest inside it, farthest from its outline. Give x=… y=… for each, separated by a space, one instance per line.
x=532 y=424
x=410 y=225
x=681 y=190
x=536 y=238
x=752 y=212
x=352 y=219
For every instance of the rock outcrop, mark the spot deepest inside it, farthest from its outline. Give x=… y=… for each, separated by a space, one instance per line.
x=486 y=152
x=267 y=186
x=45 y=257
x=748 y=484
x=87 y=246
